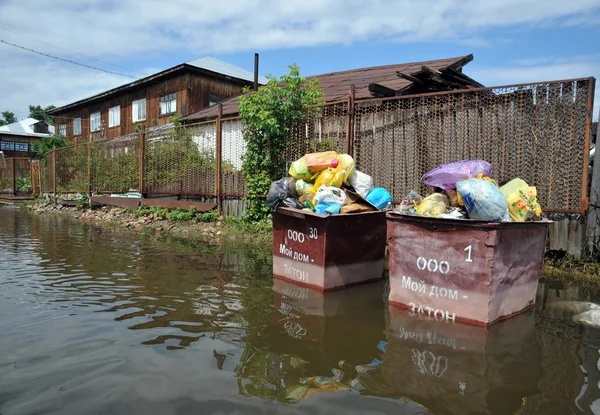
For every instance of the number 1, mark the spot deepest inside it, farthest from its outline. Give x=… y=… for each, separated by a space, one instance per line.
x=469 y=249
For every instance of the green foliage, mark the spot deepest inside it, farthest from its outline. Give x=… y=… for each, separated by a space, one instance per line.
x=46 y=145
x=84 y=202
x=23 y=184
x=39 y=113
x=269 y=116
x=178 y=214
x=8 y=117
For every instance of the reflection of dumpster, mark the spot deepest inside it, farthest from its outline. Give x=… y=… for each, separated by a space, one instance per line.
x=324 y=328
x=327 y=252
x=457 y=369
x=473 y=271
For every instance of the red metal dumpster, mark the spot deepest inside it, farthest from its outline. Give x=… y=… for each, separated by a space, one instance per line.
x=328 y=252
x=464 y=270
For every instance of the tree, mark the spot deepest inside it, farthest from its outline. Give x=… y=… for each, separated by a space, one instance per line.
x=269 y=116
x=39 y=113
x=47 y=144
x=8 y=117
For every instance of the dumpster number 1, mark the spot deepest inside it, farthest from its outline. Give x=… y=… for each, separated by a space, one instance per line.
x=469 y=249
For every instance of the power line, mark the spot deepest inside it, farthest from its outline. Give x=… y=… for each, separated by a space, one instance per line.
x=67 y=50
x=66 y=60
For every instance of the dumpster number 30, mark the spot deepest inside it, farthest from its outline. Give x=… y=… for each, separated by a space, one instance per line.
x=299 y=236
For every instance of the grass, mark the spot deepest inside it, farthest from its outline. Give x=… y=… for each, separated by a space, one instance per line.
x=583 y=272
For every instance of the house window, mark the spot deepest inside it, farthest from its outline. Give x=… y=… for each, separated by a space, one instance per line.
x=139 y=110
x=114 y=116
x=21 y=147
x=7 y=146
x=168 y=104
x=214 y=99
x=95 y=122
x=62 y=130
x=77 y=126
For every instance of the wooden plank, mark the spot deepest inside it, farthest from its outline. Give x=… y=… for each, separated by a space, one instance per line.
x=131 y=203
x=179 y=204
x=593 y=216
x=575 y=238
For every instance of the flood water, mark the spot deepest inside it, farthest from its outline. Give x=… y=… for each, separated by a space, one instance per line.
x=100 y=321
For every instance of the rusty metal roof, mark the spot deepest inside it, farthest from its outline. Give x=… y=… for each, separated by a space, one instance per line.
x=336 y=85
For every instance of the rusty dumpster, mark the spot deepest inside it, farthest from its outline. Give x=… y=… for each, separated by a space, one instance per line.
x=472 y=271
x=328 y=252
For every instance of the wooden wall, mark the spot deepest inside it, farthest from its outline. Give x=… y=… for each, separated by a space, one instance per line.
x=192 y=89
x=18 y=139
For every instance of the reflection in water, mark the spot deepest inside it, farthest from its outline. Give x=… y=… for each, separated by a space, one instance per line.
x=98 y=321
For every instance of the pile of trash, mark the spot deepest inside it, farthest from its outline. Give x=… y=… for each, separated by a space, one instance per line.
x=327 y=183
x=465 y=190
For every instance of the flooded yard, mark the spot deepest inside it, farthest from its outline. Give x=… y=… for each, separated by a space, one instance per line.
x=99 y=321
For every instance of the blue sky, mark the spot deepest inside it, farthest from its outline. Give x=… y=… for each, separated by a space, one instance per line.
x=512 y=41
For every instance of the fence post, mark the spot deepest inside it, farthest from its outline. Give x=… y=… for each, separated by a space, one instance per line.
x=14 y=177
x=32 y=177
x=142 y=166
x=350 y=133
x=89 y=167
x=54 y=170
x=218 y=159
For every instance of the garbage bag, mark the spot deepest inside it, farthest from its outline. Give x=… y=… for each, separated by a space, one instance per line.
x=299 y=170
x=454 y=197
x=324 y=207
x=283 y=193
x=361 y=182
x=483 y=200
x=433 y=205
x=330 y=177
x=522 y=200
x=317 y=162
x=330 y=195
x=379 y=197
x=446 y=175
x=347 y=165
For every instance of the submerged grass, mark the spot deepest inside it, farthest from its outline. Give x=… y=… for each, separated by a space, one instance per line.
x=566 y=271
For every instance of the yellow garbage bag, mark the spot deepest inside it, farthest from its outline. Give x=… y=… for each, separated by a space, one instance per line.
x=299 y=170
x=521 y=199
x=347 y=164
x=433 y=205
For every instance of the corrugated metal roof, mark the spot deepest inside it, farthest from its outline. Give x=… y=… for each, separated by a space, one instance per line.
x=336 y=85
x=215 y=65
x=23 y=127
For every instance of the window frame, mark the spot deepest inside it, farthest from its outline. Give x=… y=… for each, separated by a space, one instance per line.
x=4 y=146
x=111 y=116
x=99 y=127
x=168 y=100
x=61 y=128
x=134 y=118
x=21 y=149
x=77 y=131
x=215 y=99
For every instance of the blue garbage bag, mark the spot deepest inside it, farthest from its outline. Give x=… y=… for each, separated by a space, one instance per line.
x=379 y=197
x=483 y=200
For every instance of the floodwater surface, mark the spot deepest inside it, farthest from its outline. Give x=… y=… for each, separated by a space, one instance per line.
x=100 y=321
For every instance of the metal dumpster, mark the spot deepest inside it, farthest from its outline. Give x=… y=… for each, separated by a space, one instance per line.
x=328 y=252
x=472 y=271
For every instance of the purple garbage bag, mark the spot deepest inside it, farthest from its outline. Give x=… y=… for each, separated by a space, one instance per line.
x=446 y=175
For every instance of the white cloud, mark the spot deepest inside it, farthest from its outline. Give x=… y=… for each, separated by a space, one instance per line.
x=541 y=69
x=127 y=30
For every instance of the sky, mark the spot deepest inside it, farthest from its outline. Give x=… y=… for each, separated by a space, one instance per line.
x=513 y=41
